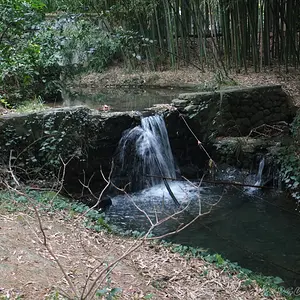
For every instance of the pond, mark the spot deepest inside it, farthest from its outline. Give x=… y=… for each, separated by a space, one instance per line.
x=122 y=99
x=257 y=229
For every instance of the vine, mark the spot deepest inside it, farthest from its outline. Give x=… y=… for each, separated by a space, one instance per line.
x=289 y=160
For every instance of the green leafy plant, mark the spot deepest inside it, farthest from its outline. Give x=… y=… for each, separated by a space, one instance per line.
x=76 y=44
x=51 y=202
x=109 y=293
x=4 y=102
x=289 y=160
x=17 y=54
x=268 y=283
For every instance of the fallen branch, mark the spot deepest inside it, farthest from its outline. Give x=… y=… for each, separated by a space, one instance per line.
x=222 y=182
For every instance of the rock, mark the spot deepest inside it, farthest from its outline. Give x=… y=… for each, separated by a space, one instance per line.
x=180 y=102
x=247 y=107
x=243 y=150
x=191 y=108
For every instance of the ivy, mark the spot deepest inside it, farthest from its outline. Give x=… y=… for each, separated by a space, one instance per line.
x=289 y=160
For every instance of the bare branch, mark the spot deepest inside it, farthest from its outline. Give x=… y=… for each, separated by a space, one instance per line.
x=198 y=141
x=10 y=169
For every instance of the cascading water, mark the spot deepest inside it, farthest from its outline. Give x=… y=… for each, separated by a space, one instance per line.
x=260 y=171
x=258 y=177
x=146 y=155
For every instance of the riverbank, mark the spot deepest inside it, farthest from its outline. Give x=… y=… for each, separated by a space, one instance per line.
x=152 y=271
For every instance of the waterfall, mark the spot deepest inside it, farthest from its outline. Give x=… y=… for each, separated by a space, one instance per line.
x=258 y=177
x=260 y=171
x=145 y=154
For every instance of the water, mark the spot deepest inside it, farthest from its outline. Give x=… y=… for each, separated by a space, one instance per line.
x=119 y=99
x=259 y=231
x=259 y=173
x=258 y=177
x=145 y=153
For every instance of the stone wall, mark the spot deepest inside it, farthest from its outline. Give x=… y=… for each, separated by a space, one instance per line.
x=36 y=143
x=229 y=113
x=236 y=111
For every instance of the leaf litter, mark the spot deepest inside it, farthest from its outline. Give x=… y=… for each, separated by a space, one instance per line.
x=152 y=271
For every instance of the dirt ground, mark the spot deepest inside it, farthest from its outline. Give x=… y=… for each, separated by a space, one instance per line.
x=28 y=271
x=186 y=77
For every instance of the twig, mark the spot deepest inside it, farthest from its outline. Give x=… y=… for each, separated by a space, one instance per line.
x=62 y=176
x=52 y=254
x=108 y=182
x=198 y=141
x=186 y=225
x=222 y=182
x=274 y=127
x=10 y=169
x=130 y=250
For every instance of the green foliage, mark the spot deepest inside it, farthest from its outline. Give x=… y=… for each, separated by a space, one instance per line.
x=289 y=160
x=34 y=51
x=148 y=296
x=70 y=5
x=55 y=296
x=216 y=258
x=109 y=293
x=216 y=34
x=4 y=102
x=85 y=45
x=23 y=66
x=51 y=202
x=134 y=45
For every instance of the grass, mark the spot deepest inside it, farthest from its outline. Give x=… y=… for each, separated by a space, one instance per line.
x=31 y=106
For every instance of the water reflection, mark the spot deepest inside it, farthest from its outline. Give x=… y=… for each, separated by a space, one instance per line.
x=121 y=99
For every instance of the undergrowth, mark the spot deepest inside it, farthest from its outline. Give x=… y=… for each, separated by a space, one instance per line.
x=289 y=160
x=50 y=202
x=30 y=106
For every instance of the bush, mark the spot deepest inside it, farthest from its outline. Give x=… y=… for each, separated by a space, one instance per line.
x=34 y=52
x=85 y=46
x=19 y=55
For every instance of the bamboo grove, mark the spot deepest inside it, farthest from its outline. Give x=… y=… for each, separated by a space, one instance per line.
x=231 y=34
